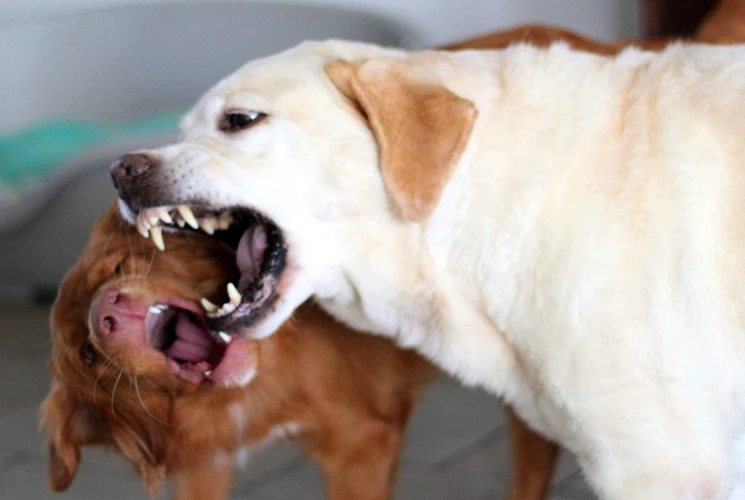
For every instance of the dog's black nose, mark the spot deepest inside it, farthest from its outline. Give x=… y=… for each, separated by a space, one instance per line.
x=125 y=169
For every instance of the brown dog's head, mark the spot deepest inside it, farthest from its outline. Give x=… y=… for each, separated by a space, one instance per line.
x=131 y=353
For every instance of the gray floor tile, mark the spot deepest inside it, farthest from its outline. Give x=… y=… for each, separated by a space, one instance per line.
x=453 y=484
x=450 y=418
x=304 y=482
x=495 y=456
x=574 y=488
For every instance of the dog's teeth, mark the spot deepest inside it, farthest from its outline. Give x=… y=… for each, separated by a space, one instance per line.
x=224 y=310
x=208 y=306
x=165 y=216
x=150 y=216
x=208 y=373
x=188 y=216
x=157 y=308
x=225 y=220
x=180 y=221
x=209 y=224
x=234 y=294
x=225 y=337
x=143 y=227
x=156 y=233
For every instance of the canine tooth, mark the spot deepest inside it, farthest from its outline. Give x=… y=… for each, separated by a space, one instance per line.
x=234 y=294
x=208 y=373
x=208 y=306
x=155 y=309
x=225 y=337
x=209 y=224
x=188 y=216
x=156 y=232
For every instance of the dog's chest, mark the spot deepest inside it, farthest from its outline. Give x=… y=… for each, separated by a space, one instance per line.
x=243 y=456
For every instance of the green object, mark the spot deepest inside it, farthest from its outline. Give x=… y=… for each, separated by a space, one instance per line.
x=35 y=152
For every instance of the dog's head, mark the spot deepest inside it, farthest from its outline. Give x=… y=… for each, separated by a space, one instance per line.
x=298 y=158
x=133 y=366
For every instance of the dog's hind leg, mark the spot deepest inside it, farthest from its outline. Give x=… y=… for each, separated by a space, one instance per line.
x=533 y=461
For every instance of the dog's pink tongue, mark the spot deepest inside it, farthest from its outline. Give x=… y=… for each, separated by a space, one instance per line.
x=191 y=344
x=250 y=253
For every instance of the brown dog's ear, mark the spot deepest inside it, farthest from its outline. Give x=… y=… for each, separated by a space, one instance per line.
x=421 y=128
x=69 y=427
x=64 y=453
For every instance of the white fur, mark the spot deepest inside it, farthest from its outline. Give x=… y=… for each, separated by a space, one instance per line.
x=243 y=456
x=586 y=261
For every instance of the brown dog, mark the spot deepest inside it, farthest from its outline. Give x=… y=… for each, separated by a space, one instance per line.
x=127 y=372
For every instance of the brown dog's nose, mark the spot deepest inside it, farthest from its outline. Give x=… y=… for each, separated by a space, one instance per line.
x=125 y=169
x=116 y=313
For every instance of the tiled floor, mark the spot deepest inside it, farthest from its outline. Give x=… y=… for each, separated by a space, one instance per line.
x=456 y=444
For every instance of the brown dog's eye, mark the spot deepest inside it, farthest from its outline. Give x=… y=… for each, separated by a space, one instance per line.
x=237 y=121
x=89 y=353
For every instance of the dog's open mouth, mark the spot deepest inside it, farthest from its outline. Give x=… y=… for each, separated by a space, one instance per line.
x=178 y=329
x=260 y=249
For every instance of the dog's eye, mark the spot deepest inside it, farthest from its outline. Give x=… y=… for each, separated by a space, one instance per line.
x=88 y=352
x=236 y=121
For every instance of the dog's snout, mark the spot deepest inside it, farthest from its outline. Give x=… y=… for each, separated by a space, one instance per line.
x=114 y=312
x=130 y=166
x=131 y=174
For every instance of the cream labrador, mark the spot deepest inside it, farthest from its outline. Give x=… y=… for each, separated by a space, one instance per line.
x=563 y=229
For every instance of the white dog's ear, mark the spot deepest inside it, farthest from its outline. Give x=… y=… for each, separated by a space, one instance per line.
x=421 y=127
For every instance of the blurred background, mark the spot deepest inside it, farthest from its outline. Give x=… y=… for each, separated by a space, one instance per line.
x=84 y=81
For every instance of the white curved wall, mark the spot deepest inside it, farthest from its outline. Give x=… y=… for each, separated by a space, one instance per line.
x=432 y=21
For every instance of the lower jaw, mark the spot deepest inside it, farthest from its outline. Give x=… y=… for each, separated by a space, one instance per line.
x=237 y=367
x=238 y=323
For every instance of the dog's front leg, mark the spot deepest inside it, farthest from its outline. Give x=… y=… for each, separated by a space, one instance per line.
x=361 y=461
x=211 y=481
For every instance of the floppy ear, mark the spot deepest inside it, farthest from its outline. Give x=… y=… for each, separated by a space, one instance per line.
x=64 y=453
x=69 y=427
x=421 y=128
x=58 y=416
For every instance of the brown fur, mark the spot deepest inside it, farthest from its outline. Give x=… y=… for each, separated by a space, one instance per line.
x=351 y=394
x=416 y=122
x=725 y=24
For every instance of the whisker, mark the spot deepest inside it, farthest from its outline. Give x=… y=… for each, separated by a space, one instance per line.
x=113 y=411
x=144 y=406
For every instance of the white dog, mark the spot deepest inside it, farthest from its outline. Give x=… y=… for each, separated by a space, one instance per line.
x=563 y=229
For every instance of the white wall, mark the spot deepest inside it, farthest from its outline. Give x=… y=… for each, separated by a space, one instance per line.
x=433 y=21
